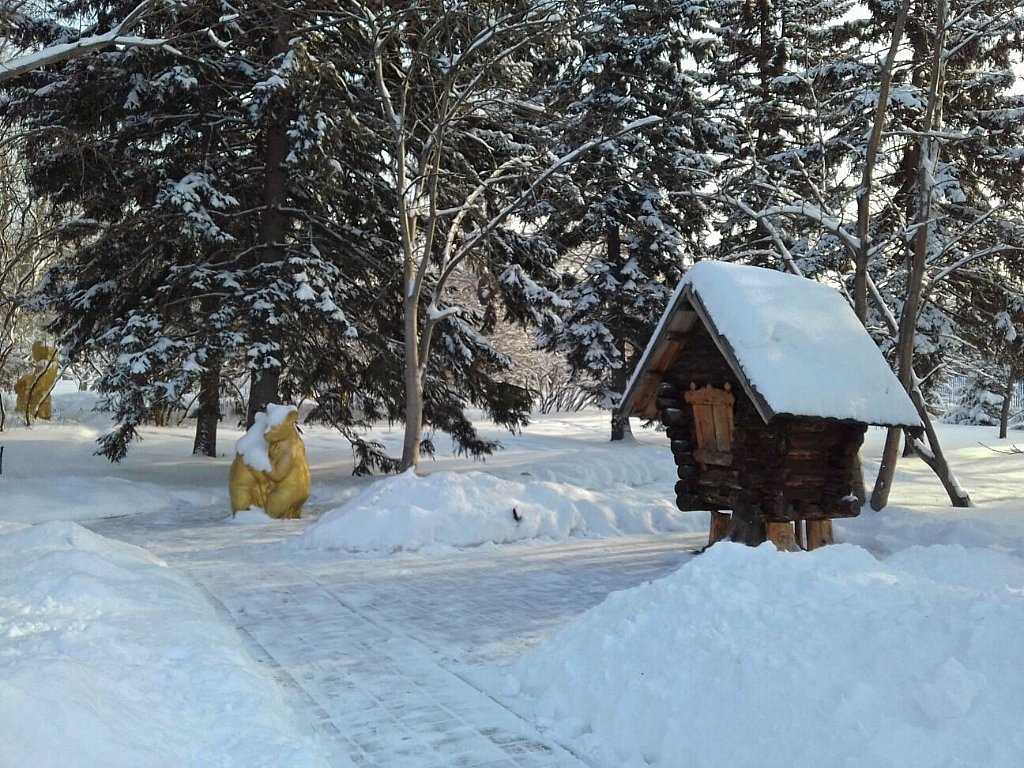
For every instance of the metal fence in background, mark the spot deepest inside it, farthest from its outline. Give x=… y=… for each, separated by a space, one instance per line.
x=949 y=393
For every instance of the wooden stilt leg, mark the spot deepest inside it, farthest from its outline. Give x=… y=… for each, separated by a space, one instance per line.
x=801 y=538
x=781 y=535
x=819 y=533
x=744 y=528
x=719 y=526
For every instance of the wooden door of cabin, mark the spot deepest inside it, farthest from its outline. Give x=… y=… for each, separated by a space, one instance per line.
x=713 y=418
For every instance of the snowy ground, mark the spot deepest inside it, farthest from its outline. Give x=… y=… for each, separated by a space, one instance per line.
x=413 y=621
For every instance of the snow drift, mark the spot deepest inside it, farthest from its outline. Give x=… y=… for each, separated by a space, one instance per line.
x=109 y=659
x=759 y=658
x=446 y=509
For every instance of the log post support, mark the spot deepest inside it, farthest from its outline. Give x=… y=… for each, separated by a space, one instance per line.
x=819 y=533
x=782 y=535
x=720 y=523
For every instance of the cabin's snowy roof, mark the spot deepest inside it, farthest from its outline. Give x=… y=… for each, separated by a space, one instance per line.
x=796 y=346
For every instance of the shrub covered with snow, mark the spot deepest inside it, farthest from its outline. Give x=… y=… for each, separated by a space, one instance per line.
x=978 y=404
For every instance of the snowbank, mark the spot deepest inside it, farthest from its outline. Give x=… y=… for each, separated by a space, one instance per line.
x=758 y=658
x=66 y=497
x=109 y=659
x=994 y=526
x=446 y=509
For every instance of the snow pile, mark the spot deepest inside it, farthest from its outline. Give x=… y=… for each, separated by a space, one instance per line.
x=109 y=659
x=72 y=406
x=607 y=466
x=447 y=509
x=69 y=407
x=252 y=447
x=758 y=658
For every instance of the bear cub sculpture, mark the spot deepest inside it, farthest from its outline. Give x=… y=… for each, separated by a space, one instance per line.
x=270 y=469
x=33 y=389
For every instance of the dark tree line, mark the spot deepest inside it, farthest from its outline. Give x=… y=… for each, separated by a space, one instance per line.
x=345 y=200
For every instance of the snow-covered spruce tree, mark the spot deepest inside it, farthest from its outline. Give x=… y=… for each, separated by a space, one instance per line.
x=980 y=402
x=467 y=149
x=785 y=74
x=183 y=177
x=987 y=301
x=624 y=240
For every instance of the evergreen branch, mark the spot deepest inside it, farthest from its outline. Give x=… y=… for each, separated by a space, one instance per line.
x=56 y=54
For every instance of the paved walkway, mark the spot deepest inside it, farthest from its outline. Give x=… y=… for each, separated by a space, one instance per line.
x=391 y=659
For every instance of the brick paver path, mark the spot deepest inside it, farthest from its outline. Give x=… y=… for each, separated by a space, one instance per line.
x=392 y=659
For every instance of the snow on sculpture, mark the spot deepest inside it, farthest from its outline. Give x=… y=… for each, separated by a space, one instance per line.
x=270 y=469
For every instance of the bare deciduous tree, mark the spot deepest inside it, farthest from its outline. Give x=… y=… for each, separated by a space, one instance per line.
x=446 y=76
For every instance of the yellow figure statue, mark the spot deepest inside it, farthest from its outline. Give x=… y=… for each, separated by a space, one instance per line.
x=33 y=389
x=270 y=469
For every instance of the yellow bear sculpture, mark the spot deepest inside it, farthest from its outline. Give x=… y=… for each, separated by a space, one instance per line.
x=33 y=389
x=270 y=469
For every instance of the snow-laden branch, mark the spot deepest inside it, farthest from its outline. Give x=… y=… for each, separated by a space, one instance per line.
x=764 y=217
x=975 y=256
x=824 y=220
x=55 y=54
x=560 y=162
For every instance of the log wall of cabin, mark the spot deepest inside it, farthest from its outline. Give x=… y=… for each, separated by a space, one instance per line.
x=793 y=468
x=700 y=362
x=798 y=469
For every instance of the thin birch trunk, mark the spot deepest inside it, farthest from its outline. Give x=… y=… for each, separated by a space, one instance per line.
x=413 y=389
x=863 y=254
x=927 y=160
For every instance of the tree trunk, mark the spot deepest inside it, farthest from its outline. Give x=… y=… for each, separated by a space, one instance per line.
x=905 y=358
x=263 y=390
x=621 y=429
x=413 y=389
x=620 y=376
x=1004 y=411
x=4 y=357
x=863 y=255
x=887 y=469
x=933 y=456
x=208 y=414
x=927 y=156
x=266 y=379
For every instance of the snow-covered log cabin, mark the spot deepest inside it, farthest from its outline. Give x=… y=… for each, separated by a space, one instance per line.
x=766 y=383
